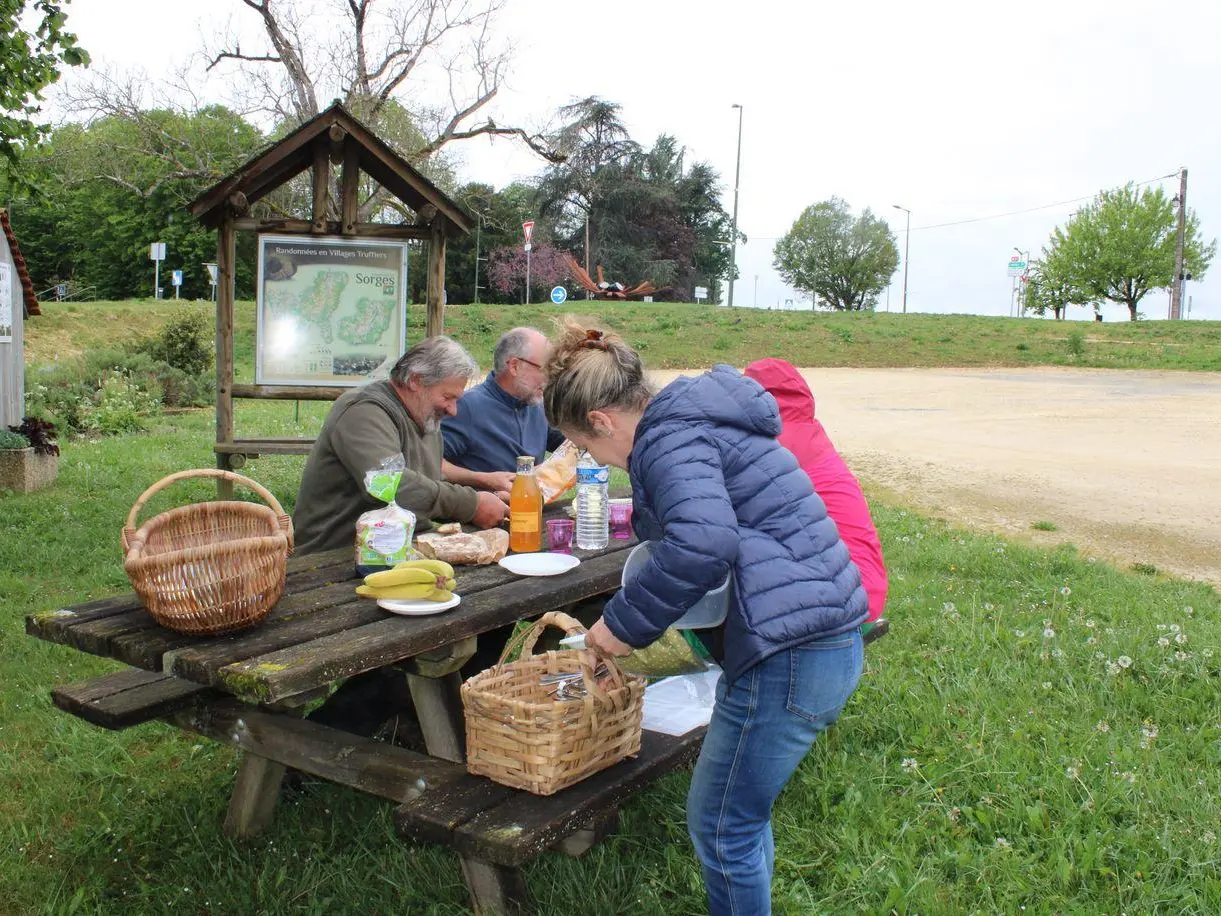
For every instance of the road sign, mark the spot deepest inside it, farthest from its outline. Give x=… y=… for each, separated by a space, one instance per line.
x=559 y=295
x=701 y=292
x=212 y=271
x=1017 y=266
x=527 y=229
x=176 y=278
x=156 y=251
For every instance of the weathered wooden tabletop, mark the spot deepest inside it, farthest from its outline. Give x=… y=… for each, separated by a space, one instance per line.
x=321 y=631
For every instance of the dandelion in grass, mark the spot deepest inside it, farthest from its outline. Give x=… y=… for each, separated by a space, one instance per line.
x=1180 y=639
x=1002 y=843
x=1174 y=628
x=1181 y=656
x=1102 y=726
x=1148 y=734
x=1072 y=771
x=1113 y=668
x=1019 y=633
x=1049 y=633
x=1207 y=653
x=910 y=765
x=1066 y=591
x=1189 y=610
x=949 y=607
x=954 y=815
x=1208 y=837
x=1163 y=641
x=1091 y=640
x=987 y=606
x=1090 y=623
x=1047 y=685
x=1124 y=661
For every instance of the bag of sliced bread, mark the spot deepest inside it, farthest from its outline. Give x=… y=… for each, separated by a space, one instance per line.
x=383 y=536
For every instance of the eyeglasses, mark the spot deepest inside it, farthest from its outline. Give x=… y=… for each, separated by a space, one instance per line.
x=529 y=362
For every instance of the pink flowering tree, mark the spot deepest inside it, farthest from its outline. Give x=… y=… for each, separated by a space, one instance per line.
x=507 y=271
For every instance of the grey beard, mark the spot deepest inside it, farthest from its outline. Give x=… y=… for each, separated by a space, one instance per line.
x=432 y=424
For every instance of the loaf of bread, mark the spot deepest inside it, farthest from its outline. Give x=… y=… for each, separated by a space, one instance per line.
x=477 y=549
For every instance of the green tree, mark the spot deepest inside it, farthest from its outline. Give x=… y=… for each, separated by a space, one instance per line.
x=1122 y=245
x=842 y=261
x=29 y=62
x=594 y=145
x=1047 y=290
x=107 y=196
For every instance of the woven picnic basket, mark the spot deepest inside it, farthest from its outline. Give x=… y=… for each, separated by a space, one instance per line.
x=520 y=735
x=211 y=567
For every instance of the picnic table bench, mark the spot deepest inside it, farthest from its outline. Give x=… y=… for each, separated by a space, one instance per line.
x=252 y=689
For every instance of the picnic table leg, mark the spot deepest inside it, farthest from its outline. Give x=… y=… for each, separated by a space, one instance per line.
x=436 y=692
x=435 y=685
x=255 y=792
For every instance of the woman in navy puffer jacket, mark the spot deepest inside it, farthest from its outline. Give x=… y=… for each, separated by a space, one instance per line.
x=718 y=495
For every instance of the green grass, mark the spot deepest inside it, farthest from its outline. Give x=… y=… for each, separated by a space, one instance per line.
x=998 y=754
x=678 y=336
x=1044 y=525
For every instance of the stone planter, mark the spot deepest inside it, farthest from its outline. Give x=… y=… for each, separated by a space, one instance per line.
x=25 y=470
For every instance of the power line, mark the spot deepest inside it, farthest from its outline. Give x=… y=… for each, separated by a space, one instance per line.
x=980 y=219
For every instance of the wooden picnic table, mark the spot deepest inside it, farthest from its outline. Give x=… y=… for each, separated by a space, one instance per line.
x=253 y=688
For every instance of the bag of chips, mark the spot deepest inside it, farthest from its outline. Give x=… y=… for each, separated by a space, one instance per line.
x=558 y=474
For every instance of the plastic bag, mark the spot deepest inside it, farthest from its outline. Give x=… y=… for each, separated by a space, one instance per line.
x=668 y=655
x=383 y=536
x=558 y=474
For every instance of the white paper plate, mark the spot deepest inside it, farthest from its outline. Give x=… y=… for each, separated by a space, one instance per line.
x=539 y=564
x=417 y=608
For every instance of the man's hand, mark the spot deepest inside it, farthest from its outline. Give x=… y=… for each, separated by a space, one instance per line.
x=496 y=481
x=490 y=511
x=605 y=643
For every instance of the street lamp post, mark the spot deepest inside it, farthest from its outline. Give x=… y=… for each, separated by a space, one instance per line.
x=907 y=247
x=733 y=235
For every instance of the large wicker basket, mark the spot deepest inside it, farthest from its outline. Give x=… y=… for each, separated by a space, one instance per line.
x=211 y=567
x=520 y=736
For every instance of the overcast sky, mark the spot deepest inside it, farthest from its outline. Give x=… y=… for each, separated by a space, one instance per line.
x=956 y=109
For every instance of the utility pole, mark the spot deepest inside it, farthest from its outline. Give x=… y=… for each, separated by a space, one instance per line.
x=733 y=232
x=907 y=247
x=1176 y=291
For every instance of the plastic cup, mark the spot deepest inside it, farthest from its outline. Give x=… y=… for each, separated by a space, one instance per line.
x=620 y=521
x=559 y=534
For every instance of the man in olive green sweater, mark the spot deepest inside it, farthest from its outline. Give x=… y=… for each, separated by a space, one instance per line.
x=401 y=415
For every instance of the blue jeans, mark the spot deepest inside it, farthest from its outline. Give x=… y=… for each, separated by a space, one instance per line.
x=761 y=729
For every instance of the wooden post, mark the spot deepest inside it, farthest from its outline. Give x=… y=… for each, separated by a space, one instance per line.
x=435 y=322
x=436 y=692
x=253 y=803
x=12 y=353
x=322 y=184
x=351 y=189
x=225 y=257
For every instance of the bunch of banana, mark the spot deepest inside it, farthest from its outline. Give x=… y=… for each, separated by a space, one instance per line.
x=428 y=580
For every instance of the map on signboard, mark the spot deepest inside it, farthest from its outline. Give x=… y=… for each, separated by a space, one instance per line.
x=331 y=311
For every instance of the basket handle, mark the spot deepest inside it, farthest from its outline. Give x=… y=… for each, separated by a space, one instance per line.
x=527 y=638
x=129 y=529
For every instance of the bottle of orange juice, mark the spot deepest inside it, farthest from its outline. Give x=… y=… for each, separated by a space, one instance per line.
x=525 y=509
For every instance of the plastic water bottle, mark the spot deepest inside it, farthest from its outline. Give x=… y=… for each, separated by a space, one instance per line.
x=593 y=518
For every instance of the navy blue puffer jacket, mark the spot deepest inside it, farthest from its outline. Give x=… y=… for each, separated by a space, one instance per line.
x=718 y=493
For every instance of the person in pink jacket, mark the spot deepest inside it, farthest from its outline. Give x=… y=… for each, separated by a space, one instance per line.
x=804 y=436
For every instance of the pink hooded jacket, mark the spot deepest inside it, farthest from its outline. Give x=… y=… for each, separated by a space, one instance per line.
x=804 y=436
